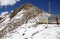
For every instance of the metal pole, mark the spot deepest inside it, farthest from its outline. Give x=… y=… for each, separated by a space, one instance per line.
x=49 y=7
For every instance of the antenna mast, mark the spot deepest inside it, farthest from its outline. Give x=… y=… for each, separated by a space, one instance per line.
x=49 y=7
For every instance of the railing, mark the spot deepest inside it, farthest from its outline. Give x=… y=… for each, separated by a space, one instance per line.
x=49 y=23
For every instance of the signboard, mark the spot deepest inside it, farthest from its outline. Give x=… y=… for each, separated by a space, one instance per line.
x=43 y=19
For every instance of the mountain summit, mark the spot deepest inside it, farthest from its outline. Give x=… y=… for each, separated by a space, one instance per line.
x=26 y=6
x=27 y=13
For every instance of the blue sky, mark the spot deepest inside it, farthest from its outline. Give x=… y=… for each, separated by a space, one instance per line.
x=42 y=4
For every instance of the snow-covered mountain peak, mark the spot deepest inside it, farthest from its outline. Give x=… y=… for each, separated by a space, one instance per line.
x=28 y=7
x=26 y=23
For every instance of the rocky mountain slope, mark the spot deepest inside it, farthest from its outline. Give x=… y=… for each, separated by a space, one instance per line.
x=25 y=23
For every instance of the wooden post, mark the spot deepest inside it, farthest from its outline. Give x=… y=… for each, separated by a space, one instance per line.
x=57 y=20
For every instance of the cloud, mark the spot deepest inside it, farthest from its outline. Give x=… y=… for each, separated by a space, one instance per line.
x=3 y=13
x=7 y=2
x=11 y=11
